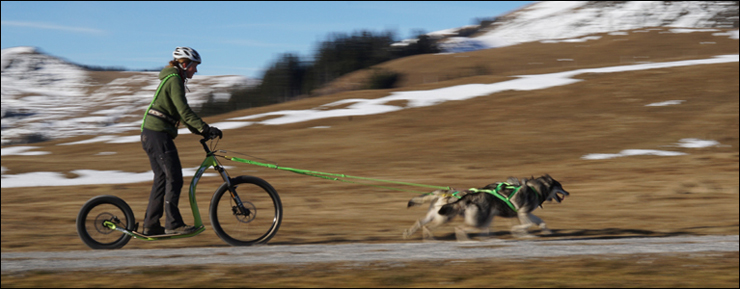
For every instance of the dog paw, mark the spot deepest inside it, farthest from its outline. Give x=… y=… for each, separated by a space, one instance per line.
x=406 y=234
x=545 y=232
x=427 y=235
x=461 y=235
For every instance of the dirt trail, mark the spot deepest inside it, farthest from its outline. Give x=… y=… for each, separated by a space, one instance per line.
x=291 y=254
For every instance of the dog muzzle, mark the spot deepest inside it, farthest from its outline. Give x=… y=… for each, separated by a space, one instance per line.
x=557 y=195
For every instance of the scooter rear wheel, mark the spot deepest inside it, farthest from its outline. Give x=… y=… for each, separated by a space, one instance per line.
x=95 y=212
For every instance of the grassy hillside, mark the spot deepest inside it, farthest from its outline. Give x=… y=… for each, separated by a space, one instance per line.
x=533 y=58
x=462 y=144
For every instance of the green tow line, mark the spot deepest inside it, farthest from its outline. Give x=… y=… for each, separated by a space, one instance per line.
x=337 y=177
x=342 y=177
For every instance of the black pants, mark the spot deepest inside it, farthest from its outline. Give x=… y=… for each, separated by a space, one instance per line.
x=165 y=194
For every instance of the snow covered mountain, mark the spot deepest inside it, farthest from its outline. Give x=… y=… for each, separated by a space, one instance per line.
x=44 y=97
x=549 y=20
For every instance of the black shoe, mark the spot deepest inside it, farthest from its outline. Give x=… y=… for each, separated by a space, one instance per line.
x=184 y=229
x=159 y=230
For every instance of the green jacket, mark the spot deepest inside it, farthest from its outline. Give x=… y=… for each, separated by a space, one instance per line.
x=171 y=101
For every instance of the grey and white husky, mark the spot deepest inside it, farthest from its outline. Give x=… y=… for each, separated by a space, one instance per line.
x=513 y=198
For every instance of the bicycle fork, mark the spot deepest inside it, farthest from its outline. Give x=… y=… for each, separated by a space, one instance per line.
x=239 y=209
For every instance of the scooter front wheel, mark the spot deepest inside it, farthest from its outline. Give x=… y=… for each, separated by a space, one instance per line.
x=96 y=217
x=250 y=217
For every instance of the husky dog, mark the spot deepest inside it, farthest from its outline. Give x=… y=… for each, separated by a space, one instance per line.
x=516 y=198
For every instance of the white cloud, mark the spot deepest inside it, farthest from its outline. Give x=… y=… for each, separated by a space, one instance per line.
x=49 y=26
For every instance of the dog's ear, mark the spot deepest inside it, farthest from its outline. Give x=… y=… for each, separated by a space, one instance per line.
x=513 y=181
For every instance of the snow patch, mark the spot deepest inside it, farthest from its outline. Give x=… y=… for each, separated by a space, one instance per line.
x=631 y=152
x=696 y=143
x=21 y=151
x=666 y=103
x=85 y=177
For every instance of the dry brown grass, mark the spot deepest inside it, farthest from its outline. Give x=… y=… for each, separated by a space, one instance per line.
x=461 y=144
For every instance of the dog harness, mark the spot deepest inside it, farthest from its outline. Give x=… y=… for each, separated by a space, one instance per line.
x=495 y=193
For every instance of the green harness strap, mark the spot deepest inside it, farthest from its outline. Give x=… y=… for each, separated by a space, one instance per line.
x=495 y=193
x=155 y=98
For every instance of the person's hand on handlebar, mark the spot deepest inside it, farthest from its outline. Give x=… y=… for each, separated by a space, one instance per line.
x=212 y=132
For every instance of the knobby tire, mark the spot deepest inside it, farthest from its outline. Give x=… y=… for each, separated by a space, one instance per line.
x=263 y=221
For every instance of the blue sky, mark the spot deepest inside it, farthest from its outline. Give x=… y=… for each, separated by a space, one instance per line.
x=241 y=38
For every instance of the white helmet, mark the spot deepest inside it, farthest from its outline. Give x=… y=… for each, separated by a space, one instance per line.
x=186 y=52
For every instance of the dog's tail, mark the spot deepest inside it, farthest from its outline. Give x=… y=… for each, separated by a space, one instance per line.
x=428 y=197
x=421 y=199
